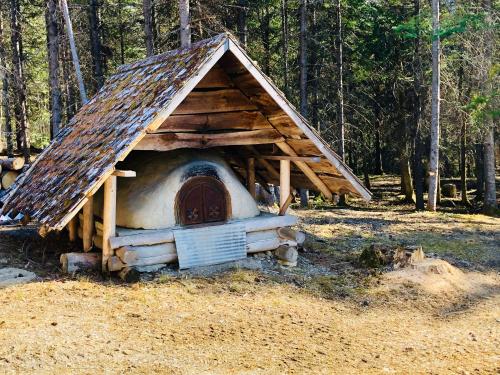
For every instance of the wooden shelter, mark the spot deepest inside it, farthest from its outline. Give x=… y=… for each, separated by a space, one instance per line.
x=208 y=96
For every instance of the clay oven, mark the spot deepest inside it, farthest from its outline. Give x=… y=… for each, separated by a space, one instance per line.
x=179 y=188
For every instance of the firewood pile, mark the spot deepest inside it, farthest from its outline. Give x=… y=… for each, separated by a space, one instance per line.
x=10 y=169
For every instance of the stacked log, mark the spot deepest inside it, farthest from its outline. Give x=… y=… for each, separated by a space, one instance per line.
x=157 y=247
x=10 y=169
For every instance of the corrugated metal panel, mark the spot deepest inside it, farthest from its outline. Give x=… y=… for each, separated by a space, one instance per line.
x=210 y=245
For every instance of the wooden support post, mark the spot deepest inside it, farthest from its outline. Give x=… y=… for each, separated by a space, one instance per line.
x=251 y=176
x=88 y=224
x=284 y=182
x=73 y=229
x=307 y=171
x=108 y=219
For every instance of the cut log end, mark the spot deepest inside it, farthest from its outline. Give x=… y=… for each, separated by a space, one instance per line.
x=79 y=262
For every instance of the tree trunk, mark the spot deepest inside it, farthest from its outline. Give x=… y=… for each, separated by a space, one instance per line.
x=340 y=91
x=463 y=138
x=22 y=130
x=378 y=148
x=418 y=168
x=242 y=21
x=406 y=181
x=74 y=53
x=366 y=171
x=435 y=110
x=121 y=30
x=69 y=98
x=53 y=55
x=284 y=36
x=266 y=40
x=147 y=8
x=95 y=43
x=5 y=88
x=490 y=199
x=479 y=172
x=185 y=26
x=303 y=77
x=315 y=69
x=340 y=78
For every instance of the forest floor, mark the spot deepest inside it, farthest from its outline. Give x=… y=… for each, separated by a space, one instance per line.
x=325 y=316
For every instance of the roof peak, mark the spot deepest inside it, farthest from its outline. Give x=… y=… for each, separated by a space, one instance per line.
x=155 y=59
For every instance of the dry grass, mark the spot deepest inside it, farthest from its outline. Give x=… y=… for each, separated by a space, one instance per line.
x=237 y=325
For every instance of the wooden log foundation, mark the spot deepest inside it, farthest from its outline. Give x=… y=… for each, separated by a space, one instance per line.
x=77 y=262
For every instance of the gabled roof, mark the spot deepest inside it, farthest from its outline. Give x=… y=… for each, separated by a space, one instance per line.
x=137 y=99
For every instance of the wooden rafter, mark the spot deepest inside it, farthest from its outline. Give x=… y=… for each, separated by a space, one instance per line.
x=173 y=141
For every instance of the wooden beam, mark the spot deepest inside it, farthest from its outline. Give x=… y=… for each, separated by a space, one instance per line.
x=108 y=219
x=119 y=173
x=240 y=120
x=88 y=224
x=251 y=176
x=73 y=229
x=273 y=171
x=173 y=141
x=306 y=170
x=227 y=100
x=284 y=183
x=285 y=205
x=308 y=159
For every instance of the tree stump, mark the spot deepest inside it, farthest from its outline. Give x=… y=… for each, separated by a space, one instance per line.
x=449 y=190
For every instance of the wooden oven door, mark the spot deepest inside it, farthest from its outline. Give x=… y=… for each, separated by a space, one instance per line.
x=202 y=200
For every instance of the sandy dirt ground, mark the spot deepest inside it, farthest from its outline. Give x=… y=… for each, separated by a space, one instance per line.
x=324 y=317
x=237 y=325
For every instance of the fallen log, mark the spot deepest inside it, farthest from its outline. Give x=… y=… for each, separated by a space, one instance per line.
x=74 y=262
x=12 y=164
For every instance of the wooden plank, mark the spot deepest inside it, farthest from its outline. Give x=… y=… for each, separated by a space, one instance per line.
x=307 y=171
x=108 y=219
x=251 y=176
x=240 y=120
x=284 y=183
x=309 y=159
x=88 y=224
x=120 y=173
x=173 y=141
x=215 y=78
x=285 y=125
x=227 y=100
x=304 y=147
